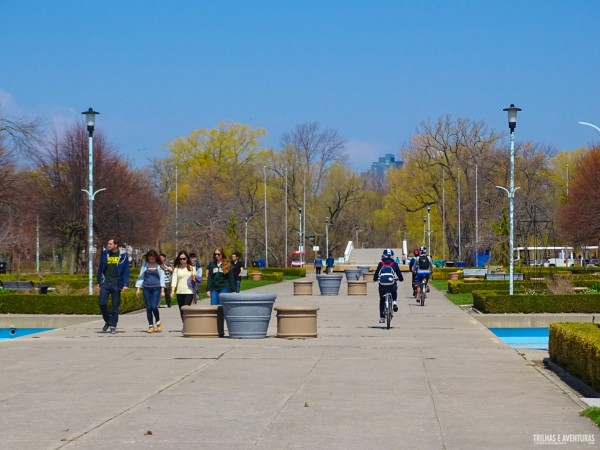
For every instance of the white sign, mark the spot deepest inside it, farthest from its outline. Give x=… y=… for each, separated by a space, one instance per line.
x=315 y=248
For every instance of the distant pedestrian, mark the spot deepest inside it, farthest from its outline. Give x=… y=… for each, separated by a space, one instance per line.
x=181 y=283
x=237 y=266
x=220 y=279
x=329 y=263
x=194 y=261
x=152 y=280
x=168 y=269
x=112 y=278
x=318 y=264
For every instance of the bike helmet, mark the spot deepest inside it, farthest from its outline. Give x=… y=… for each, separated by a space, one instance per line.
x=388 y=253
x=423 y=250
x=416 y=252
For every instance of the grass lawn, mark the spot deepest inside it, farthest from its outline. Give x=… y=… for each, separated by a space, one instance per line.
x=593 y=413
x=457 y=299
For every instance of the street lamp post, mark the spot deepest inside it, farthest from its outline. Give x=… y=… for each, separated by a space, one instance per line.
x=246 y=242
x=301 y=244
x=326 y=237
x=429 y=229
x=266 y=239
x=512 y=124
x=90 y=117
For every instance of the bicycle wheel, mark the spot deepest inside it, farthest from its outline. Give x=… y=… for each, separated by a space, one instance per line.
x=423 y=293
x=388 y=313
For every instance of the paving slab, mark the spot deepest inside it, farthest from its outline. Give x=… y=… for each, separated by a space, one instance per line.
x=437 y=380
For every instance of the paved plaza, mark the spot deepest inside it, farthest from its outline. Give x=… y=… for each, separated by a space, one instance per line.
x=437 y=380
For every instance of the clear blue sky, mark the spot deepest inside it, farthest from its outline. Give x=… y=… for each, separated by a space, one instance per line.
x=372 y=70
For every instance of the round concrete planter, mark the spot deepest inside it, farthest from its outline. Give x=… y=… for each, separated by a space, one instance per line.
x=247 y=315
x=297 y=321
x=303 y=287
x=353 y=274
x=357 y=287
x=203 y=321
x=364 y=269
x=329 y=284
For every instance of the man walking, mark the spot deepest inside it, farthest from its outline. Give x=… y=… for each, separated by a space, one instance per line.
x=113 y=276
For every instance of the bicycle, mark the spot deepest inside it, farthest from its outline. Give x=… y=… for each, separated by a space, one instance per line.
x=423 y=291
x=388 y=312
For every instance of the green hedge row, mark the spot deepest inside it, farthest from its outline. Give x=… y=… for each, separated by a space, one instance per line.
x=286 y=271
x=64 y=304
x=494 y=302
x=465 y=287
x=576 y=348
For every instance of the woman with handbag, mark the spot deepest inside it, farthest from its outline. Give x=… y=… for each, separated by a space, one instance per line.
x=181 y=281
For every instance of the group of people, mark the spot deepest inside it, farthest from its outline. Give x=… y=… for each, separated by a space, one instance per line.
x=388 y=273
x=159 y=279
x=318 y=263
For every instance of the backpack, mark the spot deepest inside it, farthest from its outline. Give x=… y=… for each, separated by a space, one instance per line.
x=387 y=276
x=423 y=263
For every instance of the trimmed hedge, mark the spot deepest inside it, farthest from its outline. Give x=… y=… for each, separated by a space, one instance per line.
x=465 y=287
x=64 y=304
x=285 y=271
x=495 y=302
x=576 y=348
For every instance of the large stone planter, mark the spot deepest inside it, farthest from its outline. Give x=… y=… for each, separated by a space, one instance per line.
x=303 y=287
x=247 y=315
x=296 y=321
x=353 y=274
x=367 y=276
x=203 y=321
x=364 y=269
x=357 y=287
x=329 y=284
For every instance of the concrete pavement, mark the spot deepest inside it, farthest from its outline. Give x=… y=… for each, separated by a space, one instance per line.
x=437 y=380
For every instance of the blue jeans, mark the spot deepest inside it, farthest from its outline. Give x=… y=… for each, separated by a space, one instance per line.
x=152 y=297
x=238 y=284
x=110 y=317
x=214 y=296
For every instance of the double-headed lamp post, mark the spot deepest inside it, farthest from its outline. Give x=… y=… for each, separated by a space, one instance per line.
x=90 y=117
x=512 y=124
x=326 y=237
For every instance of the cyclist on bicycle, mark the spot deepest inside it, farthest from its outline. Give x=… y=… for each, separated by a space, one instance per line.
x=387 y=273
x=411 y=264
x=422 y=267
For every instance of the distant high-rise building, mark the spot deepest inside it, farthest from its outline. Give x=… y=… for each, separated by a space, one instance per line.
x=379 y=169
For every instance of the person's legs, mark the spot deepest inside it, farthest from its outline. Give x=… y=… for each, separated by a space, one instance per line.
x=184 y=300
x=103 y=303
x=168 y=295
x=115 y=296
x=147 y=300
x=238 y=285
x=382 y=291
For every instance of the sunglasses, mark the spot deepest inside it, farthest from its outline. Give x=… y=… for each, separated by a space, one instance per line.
x=217 y=254
x=182 y=259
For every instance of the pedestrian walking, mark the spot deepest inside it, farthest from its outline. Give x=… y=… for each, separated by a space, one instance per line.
x=152 y=280
x=329 y=262
x=220 y=279
x=237 y=267
x=112 y=278
x=168 y=269
x=318 y=264
x=181 y=282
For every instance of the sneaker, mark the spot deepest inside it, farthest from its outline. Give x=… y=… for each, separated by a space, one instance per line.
x=150 y=329
x=113 y=330
x=428 y=290
x=381 y=320
x=418 y=300
x=158 y=327
x=105 y=327
x=395 y=306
